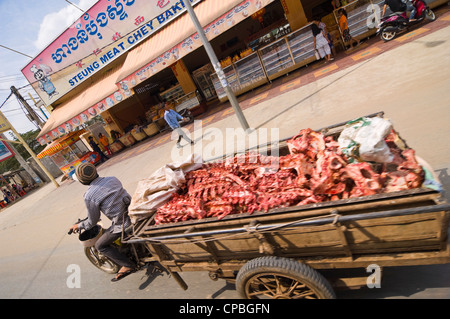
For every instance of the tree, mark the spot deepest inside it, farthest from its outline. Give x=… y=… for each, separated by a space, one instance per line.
x=12 y=164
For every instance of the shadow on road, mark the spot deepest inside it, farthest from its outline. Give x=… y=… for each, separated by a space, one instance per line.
x=405 y=282
x=227 y=286
x=153 y=271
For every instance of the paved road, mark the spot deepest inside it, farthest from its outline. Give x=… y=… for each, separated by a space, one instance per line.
x=410 y=83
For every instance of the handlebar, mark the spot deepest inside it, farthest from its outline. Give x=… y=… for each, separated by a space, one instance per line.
x=79 y=221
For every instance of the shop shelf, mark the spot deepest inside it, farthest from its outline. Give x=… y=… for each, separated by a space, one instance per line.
x=277 y=51
x=173 y=93
x=297 y=40
x=279 y=67
x=257 y=73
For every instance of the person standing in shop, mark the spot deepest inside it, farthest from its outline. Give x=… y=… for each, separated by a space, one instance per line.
x=97 y=149
x=172 y=119
x=336 y=4
x=115 y=135
x=104 y=141
x=343 y=25
x=321 y=43
x=328 y=35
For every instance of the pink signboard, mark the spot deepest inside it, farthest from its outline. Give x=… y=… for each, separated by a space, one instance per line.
x=107 y=30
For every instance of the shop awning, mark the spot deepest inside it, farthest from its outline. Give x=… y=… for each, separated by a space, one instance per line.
x=72 y=109
x=59 y=144
x=178 y=31
x=50 y=149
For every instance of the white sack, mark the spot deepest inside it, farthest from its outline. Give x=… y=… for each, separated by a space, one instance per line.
x=154 y=191
x=363 y=140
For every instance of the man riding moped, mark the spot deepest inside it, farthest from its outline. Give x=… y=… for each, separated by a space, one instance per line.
x=400 y=6
x=106 y=195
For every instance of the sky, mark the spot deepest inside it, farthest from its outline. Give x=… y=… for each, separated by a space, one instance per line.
x=29 y=26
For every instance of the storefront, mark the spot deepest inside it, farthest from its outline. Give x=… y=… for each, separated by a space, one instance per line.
x=68 y=152
x=235 y=37
x=127 y=102
x=192 y=86
x=256 y=42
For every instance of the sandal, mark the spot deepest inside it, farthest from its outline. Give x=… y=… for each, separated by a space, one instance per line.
x=121 y=275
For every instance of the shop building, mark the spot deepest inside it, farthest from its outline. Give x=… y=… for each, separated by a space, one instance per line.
x=154 y=55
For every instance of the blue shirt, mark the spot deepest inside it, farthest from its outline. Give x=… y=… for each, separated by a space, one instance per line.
x=106 y=195
x=172 y=118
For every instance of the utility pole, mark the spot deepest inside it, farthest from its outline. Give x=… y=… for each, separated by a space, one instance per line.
x=33 y=114
x=20 y=159
x=217 y=67
x=38 y=105
x=7 y=126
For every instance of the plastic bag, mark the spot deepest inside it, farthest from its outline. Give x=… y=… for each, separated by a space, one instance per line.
x=431 y=179
x=363 y=140
x=154 y=191
x=317 y=54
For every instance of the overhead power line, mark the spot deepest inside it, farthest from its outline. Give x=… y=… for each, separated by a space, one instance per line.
x=11 y=76
x=74 y=5
x=6 y=100
x=16 y=51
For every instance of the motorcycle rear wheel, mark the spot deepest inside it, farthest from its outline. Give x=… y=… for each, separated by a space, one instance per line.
x=430 y=16
x=387 y=35
x=101 y=262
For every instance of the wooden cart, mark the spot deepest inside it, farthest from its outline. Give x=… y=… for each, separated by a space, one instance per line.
x=280 y=253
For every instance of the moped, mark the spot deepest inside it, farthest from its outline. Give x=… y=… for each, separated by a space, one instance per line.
x=398 y=22
x=138 y=253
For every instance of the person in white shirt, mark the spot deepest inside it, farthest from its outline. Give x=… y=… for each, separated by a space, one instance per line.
x=321 y=43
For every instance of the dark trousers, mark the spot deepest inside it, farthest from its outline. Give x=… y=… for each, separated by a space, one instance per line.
x=103 y=245
x=103 y=157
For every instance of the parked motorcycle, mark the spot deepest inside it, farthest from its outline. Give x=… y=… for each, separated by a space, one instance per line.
x=136 y=252
x=397 y=22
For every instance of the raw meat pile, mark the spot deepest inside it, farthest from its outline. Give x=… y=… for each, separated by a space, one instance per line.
x=314 y=171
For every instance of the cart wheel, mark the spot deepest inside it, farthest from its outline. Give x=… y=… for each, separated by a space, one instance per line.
x=281 y=278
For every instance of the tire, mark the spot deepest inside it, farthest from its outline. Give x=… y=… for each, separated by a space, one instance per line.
x=387 y=35
x=430 y=16
x=101 y=262
x=281 y=278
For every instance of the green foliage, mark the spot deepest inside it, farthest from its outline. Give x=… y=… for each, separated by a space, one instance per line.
x=12 y=164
